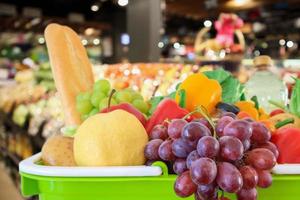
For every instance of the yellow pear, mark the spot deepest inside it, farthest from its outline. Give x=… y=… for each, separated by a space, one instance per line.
x=116 y=138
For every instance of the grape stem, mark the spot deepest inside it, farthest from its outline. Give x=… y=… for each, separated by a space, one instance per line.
x=189 y=114
x=113 y=91
x=202 y=110
x=167 y=121
x=155 y=90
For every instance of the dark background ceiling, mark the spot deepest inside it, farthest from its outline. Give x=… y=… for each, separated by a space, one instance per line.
x=181 y=15
x=196 y=9
x=61 y=8
x=200 y=9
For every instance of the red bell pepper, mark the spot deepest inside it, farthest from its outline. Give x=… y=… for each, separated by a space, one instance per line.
x=129 y=108
x=287 y=141
x=167 y=109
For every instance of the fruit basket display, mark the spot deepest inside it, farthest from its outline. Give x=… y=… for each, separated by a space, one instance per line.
x=203 y=140
x=221 y=51
x=223 y=47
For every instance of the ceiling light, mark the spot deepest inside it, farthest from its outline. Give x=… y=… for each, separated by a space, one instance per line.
x=36 y=21
x=282 y=42
x=176 y=45
x=264 y=45
x=256 y=52
x=290 y=44
x=125 y=39
x=240 y=2
x=258 y=27
x=84 y=42
x=122 y=2
x=207 y=23
x=89 y=31
x=94 y=8
x=41 y=40
x=160 y=45
x=96 y=41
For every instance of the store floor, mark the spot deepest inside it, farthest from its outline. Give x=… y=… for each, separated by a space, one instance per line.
x=8 y=191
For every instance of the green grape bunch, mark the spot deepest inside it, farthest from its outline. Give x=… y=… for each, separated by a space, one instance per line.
x=92 y=102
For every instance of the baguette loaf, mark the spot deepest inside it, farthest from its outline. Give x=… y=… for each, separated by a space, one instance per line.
x=71 y=68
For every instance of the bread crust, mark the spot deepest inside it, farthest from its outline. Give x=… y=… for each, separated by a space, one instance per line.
x=71 y=68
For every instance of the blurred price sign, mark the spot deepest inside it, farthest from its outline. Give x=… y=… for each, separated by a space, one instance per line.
x=32 y=12
x=76 y=17
x=211 y=4
x=8 y=9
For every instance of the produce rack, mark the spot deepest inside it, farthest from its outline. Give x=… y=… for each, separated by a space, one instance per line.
x=17 y=141
x=9 y=134
x=11 y=158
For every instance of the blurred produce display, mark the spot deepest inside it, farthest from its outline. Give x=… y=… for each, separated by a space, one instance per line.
x=148 y=78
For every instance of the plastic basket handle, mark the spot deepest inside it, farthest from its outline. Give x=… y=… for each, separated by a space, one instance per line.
x=163 y=166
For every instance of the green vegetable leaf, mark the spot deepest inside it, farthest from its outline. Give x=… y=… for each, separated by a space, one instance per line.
x=295 y=99
x=182 y=98
x=255 y=100
x=177 y=86
x=172 y=95
x=243 y=97
x=220 y=75
x=154 y=101
x=232 y=89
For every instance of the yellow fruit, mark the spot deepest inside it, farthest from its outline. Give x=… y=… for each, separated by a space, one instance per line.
x=116 y=138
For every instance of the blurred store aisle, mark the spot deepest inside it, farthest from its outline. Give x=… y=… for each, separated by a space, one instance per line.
x=7 y=189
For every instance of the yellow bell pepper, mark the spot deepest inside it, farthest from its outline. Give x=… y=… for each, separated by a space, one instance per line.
x=249 y=108
x=263 y=115
x=200 y=91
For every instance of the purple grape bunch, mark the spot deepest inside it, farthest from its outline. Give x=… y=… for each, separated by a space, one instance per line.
x=237 y=159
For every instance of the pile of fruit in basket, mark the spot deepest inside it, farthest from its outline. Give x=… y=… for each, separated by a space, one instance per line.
x=227 y=153
x=214 y=139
